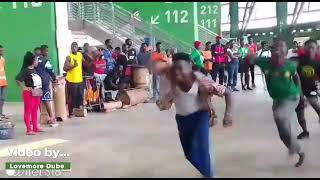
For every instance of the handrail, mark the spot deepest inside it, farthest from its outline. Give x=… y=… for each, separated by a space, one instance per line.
x=211 y=34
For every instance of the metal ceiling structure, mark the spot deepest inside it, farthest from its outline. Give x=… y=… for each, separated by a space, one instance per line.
x=264 y=14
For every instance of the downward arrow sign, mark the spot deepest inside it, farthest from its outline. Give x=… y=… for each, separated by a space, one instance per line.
x=136 y=13
x=154 y=20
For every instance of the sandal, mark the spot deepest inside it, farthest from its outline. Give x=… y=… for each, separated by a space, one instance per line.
x=30 y=133
x=50 y=121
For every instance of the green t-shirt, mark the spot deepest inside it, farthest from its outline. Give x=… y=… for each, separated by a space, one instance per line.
x=243 y=51
x=197 y=58
x=279 y=80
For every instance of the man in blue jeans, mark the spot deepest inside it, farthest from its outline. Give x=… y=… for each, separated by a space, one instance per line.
x=233 y=66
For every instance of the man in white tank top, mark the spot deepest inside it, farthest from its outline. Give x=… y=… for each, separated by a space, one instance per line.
x=189 y=92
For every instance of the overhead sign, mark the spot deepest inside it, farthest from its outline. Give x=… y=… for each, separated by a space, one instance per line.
x=209 y=15
x=178 y=18
x=175 y=18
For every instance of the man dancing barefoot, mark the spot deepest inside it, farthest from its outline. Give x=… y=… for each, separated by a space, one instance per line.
x=283 y=84
x=189 y=92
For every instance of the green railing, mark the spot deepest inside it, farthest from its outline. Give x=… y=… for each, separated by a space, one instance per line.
x=206 y=35
x=122 y=23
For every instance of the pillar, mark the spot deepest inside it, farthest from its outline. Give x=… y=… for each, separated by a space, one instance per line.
x=282 y=29
x=63 y=34
x=234 y=19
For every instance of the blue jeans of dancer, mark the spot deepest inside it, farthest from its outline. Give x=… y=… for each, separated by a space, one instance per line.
x=196 y=143
x=156 y=86
x=233 y=68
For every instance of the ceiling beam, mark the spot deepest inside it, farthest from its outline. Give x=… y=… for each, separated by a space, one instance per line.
x=244 y=16
x=298 y=15
x=250 y=14
x=295 y=11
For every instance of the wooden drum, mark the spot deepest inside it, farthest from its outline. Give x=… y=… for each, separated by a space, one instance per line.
x=140 y=77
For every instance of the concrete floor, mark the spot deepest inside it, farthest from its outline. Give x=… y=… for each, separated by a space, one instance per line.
x=143 y=142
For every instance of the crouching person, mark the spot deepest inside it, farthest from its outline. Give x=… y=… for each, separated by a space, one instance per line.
x=116 y=81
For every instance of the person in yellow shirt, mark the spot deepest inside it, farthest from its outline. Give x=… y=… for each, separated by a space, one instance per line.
x=157 y=56
x=3 y=83
x=74 y=78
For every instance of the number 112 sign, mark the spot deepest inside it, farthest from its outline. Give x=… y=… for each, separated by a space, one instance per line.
x=178 y=18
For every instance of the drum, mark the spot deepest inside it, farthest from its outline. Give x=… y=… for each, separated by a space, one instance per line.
x=140 y=77
x=59 y=99
x=132 y=96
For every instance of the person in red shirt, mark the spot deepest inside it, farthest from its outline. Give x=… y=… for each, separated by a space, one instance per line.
x=252 y=52
x=99 y=69
x=300 y=52
x=219 y=53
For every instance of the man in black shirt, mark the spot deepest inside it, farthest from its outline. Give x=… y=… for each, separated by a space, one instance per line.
x=309 y=71
x=132 y=53
x=122 y=58
x=144 y=56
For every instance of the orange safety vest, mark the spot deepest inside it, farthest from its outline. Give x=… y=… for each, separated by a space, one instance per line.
x=208 y=60
x=3 y=78
x=155 y=56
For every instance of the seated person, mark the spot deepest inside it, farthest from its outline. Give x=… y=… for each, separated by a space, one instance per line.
x=99 y=66
x=116 y=81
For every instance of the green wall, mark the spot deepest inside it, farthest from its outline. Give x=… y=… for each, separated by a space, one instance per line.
x=178 y=18
x=25 y=25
